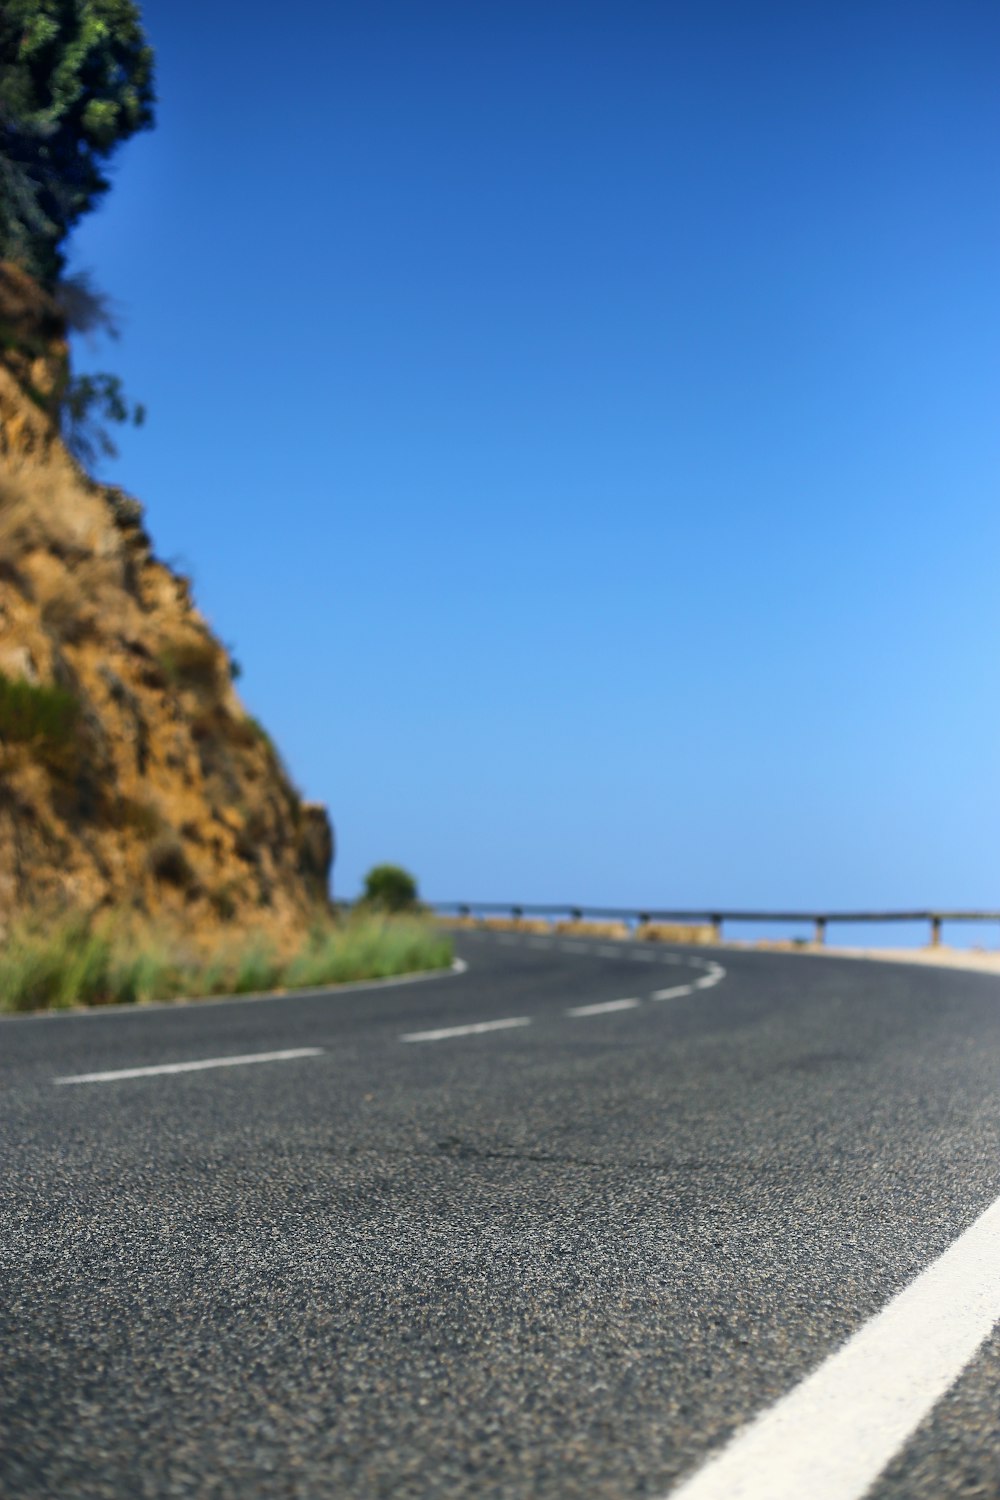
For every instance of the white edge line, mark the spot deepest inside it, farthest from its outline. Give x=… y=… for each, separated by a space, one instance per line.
x=673 y=994
x=327 y=991
x=835 y=1432
x=473 y=1028
x=602 y=1006
x=193 y=1067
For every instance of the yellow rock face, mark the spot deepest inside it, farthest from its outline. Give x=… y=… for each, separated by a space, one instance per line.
x=164 y=795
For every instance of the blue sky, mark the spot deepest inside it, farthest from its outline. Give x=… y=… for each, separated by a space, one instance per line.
x=582 y=420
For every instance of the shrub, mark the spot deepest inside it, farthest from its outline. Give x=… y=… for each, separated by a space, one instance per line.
x=168 y=862
x=142 y=818
x=191 y=663
x=30 y=713
x=390 y=888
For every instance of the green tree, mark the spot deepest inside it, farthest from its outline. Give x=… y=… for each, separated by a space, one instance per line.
x=76 y=79
x=390 y=887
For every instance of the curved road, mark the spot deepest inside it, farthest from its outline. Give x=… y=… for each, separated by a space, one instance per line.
x=413 y=1253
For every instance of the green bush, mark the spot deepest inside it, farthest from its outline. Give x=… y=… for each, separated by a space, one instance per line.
x=390 y=888
x=30 y=713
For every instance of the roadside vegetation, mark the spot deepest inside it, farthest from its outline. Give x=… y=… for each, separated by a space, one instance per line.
x=390 y=888
x=108 y=960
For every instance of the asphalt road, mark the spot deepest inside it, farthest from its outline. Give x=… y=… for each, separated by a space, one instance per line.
x=564 y=1258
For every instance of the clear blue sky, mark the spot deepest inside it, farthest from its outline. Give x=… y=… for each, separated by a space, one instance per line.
x=582 y=419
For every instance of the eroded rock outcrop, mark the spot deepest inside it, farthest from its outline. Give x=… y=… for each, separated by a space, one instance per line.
x=130 y=773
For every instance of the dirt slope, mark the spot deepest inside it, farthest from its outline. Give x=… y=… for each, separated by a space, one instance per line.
x=134 y=776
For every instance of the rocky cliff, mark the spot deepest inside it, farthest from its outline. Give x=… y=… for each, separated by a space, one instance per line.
x=130 y=773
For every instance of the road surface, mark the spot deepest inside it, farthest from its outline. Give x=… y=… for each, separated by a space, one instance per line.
x=376 y=1244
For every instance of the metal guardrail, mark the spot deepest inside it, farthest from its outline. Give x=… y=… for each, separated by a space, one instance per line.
x=713 y=918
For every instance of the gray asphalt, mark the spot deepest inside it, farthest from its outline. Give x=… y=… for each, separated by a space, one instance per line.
x=566 y=1260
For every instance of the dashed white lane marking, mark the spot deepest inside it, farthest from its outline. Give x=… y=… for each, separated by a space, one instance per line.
x=473 y=1029
x=833 y=1435
x=714 y=972
x=602 y=1006
x=193 y=1067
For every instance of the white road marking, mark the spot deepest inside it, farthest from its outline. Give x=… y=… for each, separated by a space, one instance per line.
x=832 y=1435
x=604 y=1005
x=193 y=1067
x=473 y=1029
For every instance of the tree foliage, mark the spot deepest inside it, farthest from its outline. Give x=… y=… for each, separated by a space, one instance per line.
x=88 y=402
x=76 y=79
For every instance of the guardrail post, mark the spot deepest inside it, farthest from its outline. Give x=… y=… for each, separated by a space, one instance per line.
x=716 y=924
x=820 y=935
x=935 y=932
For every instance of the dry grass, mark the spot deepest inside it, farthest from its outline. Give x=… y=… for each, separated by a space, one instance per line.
x=701 y=934
x=512 y=924
x=618 y=931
